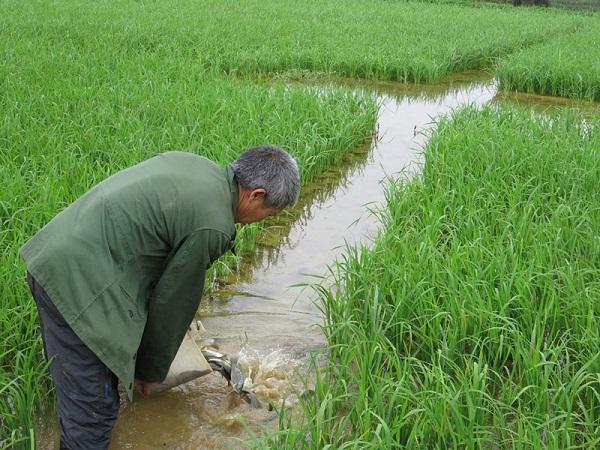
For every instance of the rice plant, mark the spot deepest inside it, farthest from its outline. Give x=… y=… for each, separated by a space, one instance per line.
x=403 y=41
x=73 y=115
x=473 y=321
x=568 y=66
x=87 y=89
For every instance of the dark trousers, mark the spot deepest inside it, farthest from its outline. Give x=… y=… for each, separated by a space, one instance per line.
x=86 y=390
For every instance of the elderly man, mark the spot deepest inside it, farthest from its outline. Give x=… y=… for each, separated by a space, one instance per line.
x=118 y=275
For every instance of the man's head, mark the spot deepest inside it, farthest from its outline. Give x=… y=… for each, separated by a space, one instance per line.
x=268 y=181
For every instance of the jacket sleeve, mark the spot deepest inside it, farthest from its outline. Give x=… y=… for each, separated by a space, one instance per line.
x=174 y=302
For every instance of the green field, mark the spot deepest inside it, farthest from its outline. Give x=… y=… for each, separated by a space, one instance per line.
x=473 y=322
x=567 y=66
x=73 y=115
x=403 y=41
x=87 y=89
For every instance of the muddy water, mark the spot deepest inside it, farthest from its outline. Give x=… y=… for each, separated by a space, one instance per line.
x=270 y=326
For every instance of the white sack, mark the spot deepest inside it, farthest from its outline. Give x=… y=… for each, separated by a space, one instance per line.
x=189 y=363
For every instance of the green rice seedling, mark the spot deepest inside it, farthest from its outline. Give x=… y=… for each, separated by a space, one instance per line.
x=568 y=66
x=76 y=111
x=404 y=41
x=472 y=322
x=88 y=89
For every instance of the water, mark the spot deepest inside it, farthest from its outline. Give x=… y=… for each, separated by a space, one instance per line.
x=273 y=328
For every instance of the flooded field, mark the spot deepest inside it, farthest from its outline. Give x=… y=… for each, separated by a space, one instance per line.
x=89 y=89
x=275 y=325
x=258 y=317
x=262 y=315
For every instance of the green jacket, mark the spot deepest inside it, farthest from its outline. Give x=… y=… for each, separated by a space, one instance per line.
x=125 y=263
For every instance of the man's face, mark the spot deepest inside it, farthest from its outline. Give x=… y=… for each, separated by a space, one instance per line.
x=251 y=207
x=258 y=213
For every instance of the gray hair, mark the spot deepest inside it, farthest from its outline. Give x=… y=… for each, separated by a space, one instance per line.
x=271 y=169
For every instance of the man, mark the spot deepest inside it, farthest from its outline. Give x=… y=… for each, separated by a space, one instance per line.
x=118 y=275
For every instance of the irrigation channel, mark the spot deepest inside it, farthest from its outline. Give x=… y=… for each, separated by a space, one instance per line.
x=271 y=327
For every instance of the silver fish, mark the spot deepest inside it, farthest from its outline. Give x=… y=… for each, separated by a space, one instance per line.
x=232 y=372
x=237 y=377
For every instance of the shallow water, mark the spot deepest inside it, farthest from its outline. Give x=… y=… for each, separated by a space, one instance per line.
x=271 y=327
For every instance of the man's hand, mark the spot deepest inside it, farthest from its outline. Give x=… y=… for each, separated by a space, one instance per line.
x=144 y=387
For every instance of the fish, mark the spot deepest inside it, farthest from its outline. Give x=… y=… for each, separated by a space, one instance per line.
x=210 y=353
x=237 y=377
x=232 y=372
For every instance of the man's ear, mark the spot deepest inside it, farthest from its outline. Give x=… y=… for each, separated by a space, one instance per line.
x=258 y=193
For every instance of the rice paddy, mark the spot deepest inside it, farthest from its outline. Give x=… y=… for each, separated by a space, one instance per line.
x=567 y=66
x=71 y=117
x=472 y=323
x=401 y=41
x=473 y=320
